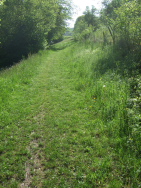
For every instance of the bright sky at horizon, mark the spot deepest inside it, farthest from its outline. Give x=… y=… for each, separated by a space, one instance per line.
x=80 y=6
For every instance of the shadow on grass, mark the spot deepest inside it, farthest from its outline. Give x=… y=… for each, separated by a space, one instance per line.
x=125 y=63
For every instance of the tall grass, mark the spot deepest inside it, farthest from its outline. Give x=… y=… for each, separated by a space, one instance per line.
x=115 y=102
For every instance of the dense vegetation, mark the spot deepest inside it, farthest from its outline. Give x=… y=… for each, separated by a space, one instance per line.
x=30 y=25
x=117 y=33
x=119 y=24
x=70 y=116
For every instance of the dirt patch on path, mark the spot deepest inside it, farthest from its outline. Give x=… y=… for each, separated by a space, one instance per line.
x=34 y=168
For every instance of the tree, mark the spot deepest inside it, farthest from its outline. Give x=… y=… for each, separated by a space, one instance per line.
x=108 y=16
x=128 y=24
x=86 y=24
x=26 y=25
x=123 y=20
x=63 y=13
x=91 y=18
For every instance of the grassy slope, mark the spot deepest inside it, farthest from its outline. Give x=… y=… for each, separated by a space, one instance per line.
x=61 y=123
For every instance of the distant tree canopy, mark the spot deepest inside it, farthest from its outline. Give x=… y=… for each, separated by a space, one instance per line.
x=29 y=25
x=86 y=24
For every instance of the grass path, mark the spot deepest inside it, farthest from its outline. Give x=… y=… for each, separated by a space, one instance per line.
x=65 y=131
x=72 y=148
x=54 y=138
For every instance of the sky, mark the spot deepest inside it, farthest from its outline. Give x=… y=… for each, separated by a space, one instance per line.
x=80 y=6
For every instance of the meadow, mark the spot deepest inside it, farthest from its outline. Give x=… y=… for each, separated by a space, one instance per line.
x=69 y=119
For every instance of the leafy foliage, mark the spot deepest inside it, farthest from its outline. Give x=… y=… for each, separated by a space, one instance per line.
x=29 y=25
x=123 y=19
x=86 y=24
x=119 y=24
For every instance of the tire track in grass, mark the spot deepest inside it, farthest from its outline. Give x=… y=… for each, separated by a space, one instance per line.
x=34 y=165
x=34 y=168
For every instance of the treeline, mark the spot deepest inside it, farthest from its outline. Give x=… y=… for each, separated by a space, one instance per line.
x=30 y=25
x=119 y=24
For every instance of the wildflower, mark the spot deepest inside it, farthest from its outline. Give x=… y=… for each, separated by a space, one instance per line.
x=104 y=85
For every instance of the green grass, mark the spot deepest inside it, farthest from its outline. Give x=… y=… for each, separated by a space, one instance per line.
x=64 y=125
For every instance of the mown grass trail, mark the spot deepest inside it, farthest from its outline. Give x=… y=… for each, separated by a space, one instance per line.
x=53 y=134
